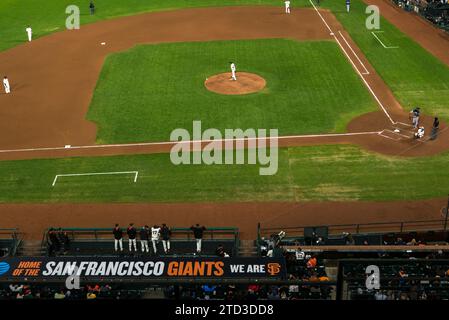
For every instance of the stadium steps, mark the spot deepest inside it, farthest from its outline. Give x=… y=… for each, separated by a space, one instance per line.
x=248 y=248
x=31 y=248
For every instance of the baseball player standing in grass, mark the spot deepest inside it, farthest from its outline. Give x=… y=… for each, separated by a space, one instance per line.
x=6 y=85
x=287 y=6
x=348 y=5
x=29 y=33
x=233 y=69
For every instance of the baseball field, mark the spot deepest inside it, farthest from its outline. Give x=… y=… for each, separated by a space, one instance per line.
x=86 y=129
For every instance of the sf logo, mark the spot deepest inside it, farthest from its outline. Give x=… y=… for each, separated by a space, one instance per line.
x=373 y=277
x=73 y=280
x=273 y=268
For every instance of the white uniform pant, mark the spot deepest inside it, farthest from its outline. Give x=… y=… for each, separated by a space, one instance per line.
x=347 y=7
x=29 y=36
x=233 y=76
x=198 y=245
x=154 y=245
x=144 y=245
x=287 y=9
x=7 y=88
x=117 y=243
x=166 y=244
x=132 y=242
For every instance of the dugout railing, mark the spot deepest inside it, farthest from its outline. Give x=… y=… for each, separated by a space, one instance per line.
x=361 y=228
x=182 y=239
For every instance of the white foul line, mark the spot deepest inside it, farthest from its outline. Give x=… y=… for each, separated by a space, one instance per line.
x=353 y=64
x=143 y=144
x=360 y=61
x=136 y=173
x=375 y=36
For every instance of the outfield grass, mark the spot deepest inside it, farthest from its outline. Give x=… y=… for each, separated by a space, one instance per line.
x=146 y=92
x=339 y=172
x=47 y=16
x=415 y=76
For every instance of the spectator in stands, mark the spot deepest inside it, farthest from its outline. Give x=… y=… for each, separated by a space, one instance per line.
x=380 y=295
x=165 y=235
x=132 y=233
x=220 y=251
x=319 y=241
x=349 y=240
x=311 y=263
x=144 y=236
x=15 y=288
x=155 y=235
x=59 y=295
x=118 y=237
x=198 y=233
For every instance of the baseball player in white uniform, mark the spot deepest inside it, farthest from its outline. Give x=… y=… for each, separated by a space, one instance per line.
x=287 y=6
x=233 y=69
x=420 y=133
x=29 y=33
x=6 y=85
x=155 y=234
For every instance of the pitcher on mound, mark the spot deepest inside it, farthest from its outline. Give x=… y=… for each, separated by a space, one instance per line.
x=233 y=68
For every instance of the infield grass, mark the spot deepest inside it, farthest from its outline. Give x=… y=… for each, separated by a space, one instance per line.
x=337 y=173
x=148 y=91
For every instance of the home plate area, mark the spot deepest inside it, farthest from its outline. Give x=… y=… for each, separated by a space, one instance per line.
x=399 y=132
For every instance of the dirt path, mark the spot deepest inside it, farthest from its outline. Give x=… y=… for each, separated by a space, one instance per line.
x=47 y=108
x=434 y=40
x=34 y=219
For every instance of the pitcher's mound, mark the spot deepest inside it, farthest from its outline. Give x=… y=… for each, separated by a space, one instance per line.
x=246 y=83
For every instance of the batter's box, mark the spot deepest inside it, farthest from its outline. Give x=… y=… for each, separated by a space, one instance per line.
x=403 y=125
x=396 y=136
